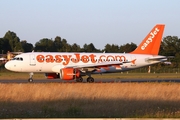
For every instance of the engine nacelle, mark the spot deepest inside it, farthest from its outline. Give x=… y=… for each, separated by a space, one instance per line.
x=51 y=75
x=69 y=73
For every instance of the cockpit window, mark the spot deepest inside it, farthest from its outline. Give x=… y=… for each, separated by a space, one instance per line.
x=18 y=58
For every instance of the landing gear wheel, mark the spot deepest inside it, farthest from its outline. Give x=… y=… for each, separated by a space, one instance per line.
x=30 y=80
x=80 y=79
x=90 y=79
x=30 y=77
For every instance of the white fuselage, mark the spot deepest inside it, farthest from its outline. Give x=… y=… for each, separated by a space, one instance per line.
x=54 y=61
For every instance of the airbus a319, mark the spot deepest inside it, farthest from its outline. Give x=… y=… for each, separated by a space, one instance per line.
x=72 y=66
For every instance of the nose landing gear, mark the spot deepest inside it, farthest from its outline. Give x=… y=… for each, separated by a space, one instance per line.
x=30 y=77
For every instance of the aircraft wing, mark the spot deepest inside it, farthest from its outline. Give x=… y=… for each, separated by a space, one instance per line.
x=94 y=65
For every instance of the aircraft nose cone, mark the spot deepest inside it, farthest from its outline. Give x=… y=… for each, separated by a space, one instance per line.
x=8 y=66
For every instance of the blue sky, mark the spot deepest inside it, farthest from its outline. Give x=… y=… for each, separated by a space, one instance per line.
x=88 y=21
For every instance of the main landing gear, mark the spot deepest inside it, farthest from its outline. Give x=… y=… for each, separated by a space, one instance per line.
x=89 y=79
x=30 y=77
x=80 y=79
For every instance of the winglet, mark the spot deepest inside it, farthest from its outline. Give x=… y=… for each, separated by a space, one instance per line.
x=151 y=43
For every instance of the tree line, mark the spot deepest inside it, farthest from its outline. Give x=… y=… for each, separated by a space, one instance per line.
x=11 y=42
x=170 y=46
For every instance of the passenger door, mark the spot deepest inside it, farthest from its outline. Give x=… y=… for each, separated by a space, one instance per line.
x=32 y=60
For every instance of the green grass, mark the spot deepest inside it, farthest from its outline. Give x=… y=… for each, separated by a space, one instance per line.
x=18 y=76
x=138 y=75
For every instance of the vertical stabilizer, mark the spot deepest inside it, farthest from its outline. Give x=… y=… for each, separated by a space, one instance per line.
x=151 y=43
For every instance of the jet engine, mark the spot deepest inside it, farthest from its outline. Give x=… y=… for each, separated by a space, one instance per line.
x=69 y=73
x=51 y=75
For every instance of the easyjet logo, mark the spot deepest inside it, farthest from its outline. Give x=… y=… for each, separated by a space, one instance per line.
x=77 y=57
x=150 y=39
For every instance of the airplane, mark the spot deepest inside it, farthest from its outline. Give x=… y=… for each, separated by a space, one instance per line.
x=75 y=65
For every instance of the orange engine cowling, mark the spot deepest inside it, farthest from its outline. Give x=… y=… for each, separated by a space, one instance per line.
x=51 y=75
x=69 y=73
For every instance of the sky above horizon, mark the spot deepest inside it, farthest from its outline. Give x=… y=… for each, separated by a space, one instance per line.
x=99 y=22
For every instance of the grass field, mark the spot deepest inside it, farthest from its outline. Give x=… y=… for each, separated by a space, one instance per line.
x=90 y=100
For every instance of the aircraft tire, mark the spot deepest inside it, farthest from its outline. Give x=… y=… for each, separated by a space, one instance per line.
x=30 y=80
x=80 y=79
x=90 y=79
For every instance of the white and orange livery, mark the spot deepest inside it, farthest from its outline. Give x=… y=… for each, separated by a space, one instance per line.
x=70 y=66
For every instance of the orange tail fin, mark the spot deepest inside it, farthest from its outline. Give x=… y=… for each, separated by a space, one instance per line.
x=151 y=43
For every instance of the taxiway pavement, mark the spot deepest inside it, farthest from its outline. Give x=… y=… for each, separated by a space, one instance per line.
x=96 y=80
